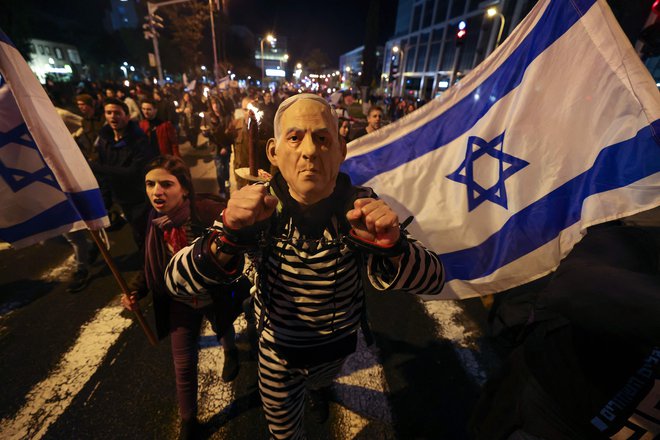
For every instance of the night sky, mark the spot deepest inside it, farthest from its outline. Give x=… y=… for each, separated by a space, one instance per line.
x=335 y=26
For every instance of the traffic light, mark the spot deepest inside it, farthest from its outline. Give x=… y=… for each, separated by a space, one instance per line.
x=461 y=34
x=153 y=24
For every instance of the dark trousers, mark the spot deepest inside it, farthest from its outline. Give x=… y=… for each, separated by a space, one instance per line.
x=185 y=326
x=222 y=171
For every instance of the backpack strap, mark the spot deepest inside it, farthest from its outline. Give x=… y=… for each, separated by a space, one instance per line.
x=359 y=192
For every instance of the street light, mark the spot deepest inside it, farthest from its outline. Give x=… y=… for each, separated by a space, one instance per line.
x=270 y=39
x=492 y=12
x=395 y=50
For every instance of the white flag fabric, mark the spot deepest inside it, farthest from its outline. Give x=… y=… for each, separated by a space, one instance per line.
x=223 y=83
x=46 y=185
x=556 y=131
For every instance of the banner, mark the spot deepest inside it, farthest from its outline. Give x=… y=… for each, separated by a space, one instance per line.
x=556 y=131
x=46 y=185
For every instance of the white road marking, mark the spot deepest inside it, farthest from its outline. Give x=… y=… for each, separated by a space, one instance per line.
x=59 y=271
x=214 y=395
x=48 y=399
x=446 y=313
x=361 y=389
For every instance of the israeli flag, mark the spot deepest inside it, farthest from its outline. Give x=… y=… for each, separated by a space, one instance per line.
x=46 y=186
x=558 y=130
x=223 y=83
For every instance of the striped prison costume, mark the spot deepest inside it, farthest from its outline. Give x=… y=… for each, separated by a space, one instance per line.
x=309 y=304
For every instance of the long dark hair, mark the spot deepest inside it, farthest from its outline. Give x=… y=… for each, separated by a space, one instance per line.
x=178 y=168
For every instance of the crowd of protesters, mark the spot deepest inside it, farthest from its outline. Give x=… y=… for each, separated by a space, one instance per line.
x=185 y=108
x=124 y=129
x=210 y=118
x=125 y=132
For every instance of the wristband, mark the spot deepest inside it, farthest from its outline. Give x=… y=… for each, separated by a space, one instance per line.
x=207 y=264
x=226 y=246
x=358 y=244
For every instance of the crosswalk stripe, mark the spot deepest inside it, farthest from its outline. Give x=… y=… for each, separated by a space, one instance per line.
x=213 y=394
x=48 y=399
x=446 y=315
x=360 y=389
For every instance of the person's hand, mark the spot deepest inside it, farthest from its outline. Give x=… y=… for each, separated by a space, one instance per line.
x=130 y=302
x=373 y=220
x=223 y=151
x=249 y=205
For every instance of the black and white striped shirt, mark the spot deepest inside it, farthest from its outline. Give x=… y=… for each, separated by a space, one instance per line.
x=310 y=291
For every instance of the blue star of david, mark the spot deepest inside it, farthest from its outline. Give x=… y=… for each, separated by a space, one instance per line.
x=18 y=179
x=477 y=194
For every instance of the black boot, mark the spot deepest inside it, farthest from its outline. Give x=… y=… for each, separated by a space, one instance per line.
x=79 y=281
x=319 y=407
x=231 y=365
x=190 y=430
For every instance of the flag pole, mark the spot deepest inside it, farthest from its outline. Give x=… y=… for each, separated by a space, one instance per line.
x=124 y=287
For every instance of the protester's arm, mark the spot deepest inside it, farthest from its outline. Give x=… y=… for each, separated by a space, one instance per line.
x=196 y=269
x=217 y=257
x=395 y=261
x=419 y=271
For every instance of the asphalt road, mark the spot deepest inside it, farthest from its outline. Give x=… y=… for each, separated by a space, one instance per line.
x=75 y=366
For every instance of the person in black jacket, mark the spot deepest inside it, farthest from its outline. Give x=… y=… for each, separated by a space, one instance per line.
x=123 y=151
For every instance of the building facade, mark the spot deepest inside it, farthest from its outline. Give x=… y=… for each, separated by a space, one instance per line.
x=273 y=60
x=55 y=60
x=122 y=14
x=420 y=58
x=350 y=66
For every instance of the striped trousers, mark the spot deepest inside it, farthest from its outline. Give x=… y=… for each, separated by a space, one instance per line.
x=282 y=391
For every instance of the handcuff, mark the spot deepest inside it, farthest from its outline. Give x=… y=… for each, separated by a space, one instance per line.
x=359 y=244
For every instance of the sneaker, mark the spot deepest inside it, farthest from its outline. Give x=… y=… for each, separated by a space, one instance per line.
x=318 y=400
x=231 y=366
x=79 y=282
x=190 y=430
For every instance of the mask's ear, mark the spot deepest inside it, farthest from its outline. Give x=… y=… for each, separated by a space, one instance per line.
x=270 y=151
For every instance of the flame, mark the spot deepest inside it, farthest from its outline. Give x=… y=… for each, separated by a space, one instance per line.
x=258 y=114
